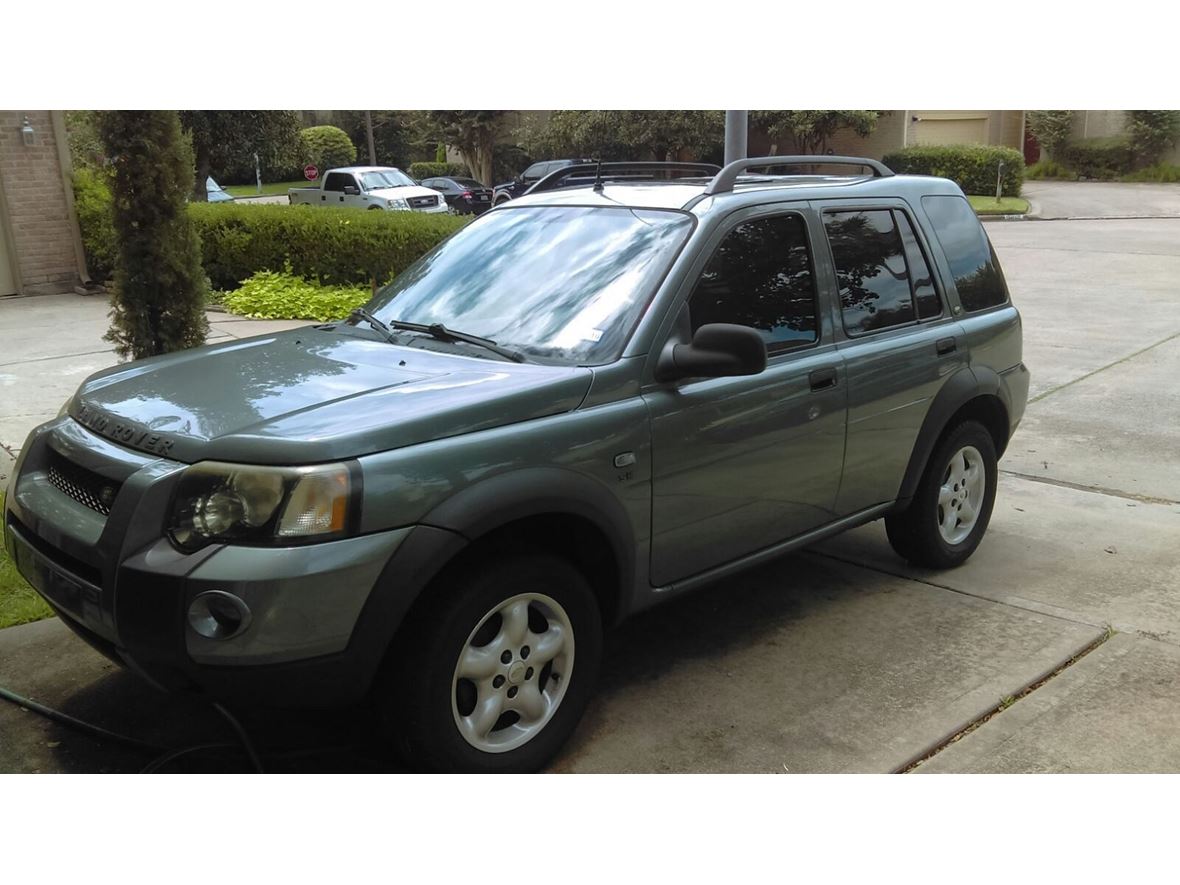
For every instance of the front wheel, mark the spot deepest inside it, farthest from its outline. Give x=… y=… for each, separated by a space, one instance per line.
x=497 y=668
x=952 y=506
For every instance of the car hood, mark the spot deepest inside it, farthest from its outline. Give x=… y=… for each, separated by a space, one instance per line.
x=408 y=190
x=312 y=395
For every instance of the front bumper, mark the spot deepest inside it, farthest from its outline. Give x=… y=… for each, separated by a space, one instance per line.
x=120 y=585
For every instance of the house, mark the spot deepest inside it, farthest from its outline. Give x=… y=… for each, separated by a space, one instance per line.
x=40 y=245
x=898 y=129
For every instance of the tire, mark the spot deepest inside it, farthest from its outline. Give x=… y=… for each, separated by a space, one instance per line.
x=934 y=531
x=432 y=716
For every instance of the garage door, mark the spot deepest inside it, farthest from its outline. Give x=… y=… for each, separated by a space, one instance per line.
x=959 y=130
x=7 y=281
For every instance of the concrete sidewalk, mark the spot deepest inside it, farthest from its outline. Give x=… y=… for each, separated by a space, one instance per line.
x=50 y=343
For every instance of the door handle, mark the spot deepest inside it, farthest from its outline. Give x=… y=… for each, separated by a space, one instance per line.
x=945 y=346
x=822 y=379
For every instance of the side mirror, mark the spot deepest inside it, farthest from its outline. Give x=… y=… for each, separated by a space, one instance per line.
x=351 y=191
x=717 y=350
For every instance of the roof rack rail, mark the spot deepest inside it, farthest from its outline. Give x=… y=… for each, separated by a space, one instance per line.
x=724 y=181
x=622 y=171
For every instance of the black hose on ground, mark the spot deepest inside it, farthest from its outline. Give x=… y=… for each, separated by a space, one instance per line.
x=165 y=755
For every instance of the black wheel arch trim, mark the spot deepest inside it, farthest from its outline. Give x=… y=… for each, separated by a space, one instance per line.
x=534 y=491
x=966 y=384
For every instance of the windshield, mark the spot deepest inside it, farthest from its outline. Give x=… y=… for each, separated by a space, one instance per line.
x=566 y=283
x=385 y=178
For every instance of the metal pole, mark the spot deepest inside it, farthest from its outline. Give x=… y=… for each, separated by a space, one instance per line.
x=257 y=172
x=736 y=127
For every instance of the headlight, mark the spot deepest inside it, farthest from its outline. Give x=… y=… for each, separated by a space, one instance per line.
x=247 y=504
x=398 y=203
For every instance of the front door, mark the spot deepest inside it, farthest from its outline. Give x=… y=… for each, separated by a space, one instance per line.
x=740 y=464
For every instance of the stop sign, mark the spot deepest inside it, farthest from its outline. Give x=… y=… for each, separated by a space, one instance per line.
x=310 y=172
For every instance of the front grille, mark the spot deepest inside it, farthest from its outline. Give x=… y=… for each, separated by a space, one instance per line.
x=423 y=202
x=96 y=492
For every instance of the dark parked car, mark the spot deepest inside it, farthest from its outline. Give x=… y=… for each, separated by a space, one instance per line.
x=464 y=195
x=441 y=503
x=510 y=190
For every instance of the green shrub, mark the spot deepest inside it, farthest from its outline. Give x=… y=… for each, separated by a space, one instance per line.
x=418 y=171
x=1167 y=173
x=93 y=204
x=1048 y=169
x=327 y=147
x=1152 y=133
x=1101 y=158
x=271 y=295
x=333 y=246
x=971 y=166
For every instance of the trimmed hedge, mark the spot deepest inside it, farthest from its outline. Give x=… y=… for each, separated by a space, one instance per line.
x=971 y=166
x=333 y=246
x=418 y=171
x=1048 y=170
x=1101 y=158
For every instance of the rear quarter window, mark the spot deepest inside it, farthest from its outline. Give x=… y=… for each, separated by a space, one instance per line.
x=974 y=267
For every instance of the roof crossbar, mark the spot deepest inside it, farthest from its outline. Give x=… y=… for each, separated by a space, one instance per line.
x=724 y=181
x=632 y=172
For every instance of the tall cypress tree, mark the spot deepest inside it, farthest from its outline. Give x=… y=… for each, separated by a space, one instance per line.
x=160 y=286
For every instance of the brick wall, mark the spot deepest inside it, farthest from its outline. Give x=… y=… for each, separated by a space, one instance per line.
x=39 y=220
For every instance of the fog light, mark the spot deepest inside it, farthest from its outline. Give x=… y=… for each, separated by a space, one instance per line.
x=216 y=614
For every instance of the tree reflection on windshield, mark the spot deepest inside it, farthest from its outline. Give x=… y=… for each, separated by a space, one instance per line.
x=558 y=282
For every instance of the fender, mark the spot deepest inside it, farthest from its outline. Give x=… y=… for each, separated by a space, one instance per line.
x=962 y=387
x=533 y=491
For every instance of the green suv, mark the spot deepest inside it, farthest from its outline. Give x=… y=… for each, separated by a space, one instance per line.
x=633 y=381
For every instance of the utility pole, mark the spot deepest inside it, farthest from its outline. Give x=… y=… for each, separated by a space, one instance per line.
x=369 y=133
x=737 y=124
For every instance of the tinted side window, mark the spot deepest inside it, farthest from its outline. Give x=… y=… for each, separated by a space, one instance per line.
x=336 y=181
x=968 y=252
x=761 y=276
x=926 y=296
x=871 y=270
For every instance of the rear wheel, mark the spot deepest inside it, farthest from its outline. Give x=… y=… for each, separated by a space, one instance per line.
x=952 y=506
x=496 y=669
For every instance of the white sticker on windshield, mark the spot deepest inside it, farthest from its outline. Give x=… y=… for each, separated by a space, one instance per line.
x=593 y=335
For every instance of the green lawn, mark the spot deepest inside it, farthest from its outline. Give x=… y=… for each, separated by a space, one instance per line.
x=987 y=205
x=277 y=187
x=18 y=603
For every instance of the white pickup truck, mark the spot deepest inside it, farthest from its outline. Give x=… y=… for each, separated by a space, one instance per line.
x=369 y=187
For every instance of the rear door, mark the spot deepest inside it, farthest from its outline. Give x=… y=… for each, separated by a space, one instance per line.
x=740 y=464
x=897 y=335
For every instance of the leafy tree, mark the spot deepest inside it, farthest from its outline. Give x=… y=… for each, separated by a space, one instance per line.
x=392 y=134
x=1051 y=129
x=86 y=151
x=326 y=147
x=1152 y=133
x=810 y=131
x=473 y=133
x=160 y=288
x=627 y=135
x=226 y=141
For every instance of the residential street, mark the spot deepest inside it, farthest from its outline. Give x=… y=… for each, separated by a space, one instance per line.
x=840 y=658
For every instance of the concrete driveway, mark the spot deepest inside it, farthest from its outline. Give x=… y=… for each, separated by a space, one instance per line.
x=1101 y=199
x=842 y=658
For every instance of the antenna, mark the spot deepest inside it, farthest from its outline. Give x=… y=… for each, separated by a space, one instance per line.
x=598 y=176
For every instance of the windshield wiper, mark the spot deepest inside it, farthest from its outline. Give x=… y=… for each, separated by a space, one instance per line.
x=437 y=331
x=359 y=313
